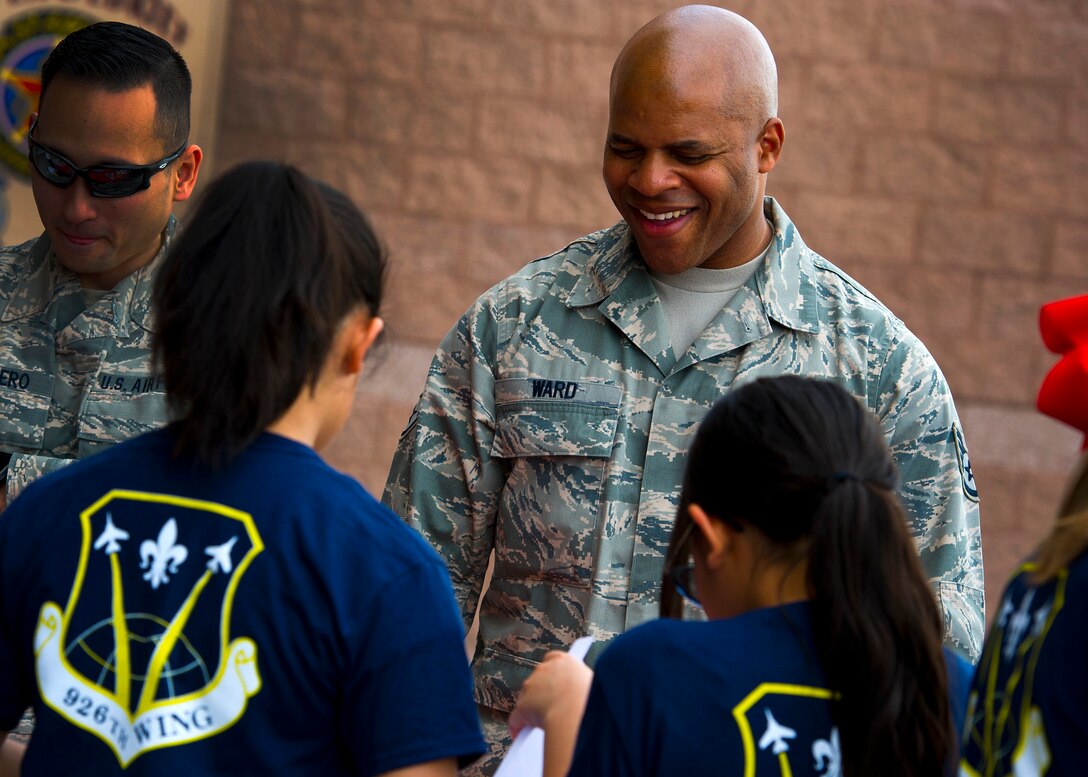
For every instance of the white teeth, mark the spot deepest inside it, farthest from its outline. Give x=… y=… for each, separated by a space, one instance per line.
x=665 y=216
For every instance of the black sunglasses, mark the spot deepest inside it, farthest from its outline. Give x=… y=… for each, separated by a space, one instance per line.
x=682 y=577
x=102 y=180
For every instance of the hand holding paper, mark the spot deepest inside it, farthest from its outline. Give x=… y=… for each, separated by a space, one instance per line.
x=552 y=700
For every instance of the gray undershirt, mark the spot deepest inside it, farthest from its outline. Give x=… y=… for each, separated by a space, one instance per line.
x=91 y=296
x=691 y=299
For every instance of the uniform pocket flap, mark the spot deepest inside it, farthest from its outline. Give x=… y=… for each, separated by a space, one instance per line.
x=535 y=417
x=499 y=677
x=25 y=396
x=119 y=406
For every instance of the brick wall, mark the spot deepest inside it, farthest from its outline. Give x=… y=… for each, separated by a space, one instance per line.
x=935 y=149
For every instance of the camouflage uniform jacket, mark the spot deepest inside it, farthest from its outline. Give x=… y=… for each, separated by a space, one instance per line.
x=73 y=379
x=555 y=417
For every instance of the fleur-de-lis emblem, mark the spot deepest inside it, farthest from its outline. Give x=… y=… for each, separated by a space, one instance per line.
x=1018 y=626
x=828 y=755
x=162 y=556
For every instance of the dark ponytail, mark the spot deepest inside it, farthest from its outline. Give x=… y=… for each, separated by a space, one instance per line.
x=878 y=635
x=803 y=462
x=249 y=300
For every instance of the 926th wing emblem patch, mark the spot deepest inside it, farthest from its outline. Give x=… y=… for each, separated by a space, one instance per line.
x=141 y=654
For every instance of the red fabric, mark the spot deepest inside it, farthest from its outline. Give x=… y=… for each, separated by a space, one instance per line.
x=1064 y=393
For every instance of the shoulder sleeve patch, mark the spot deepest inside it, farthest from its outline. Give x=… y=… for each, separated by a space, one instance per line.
x=967 y=476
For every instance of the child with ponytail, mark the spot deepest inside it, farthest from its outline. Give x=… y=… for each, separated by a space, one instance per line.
x=822 y=651
x=212 y=598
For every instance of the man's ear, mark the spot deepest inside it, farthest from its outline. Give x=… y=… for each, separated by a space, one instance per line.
x=185 y=174
x=770 y=144
x=714 y=536
x=362 y=330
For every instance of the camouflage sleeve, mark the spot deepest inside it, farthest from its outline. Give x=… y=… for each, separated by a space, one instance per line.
x=443 y=480
x=24 y=469
x=937 y=488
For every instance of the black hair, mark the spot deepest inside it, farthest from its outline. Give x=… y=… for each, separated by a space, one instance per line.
x=249 y=299
x=803 y=462
x=117 y=57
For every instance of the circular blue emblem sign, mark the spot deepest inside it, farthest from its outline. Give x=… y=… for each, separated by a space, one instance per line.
x=25 y=42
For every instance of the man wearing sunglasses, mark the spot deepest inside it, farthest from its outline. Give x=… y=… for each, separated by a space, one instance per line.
x=109 y=156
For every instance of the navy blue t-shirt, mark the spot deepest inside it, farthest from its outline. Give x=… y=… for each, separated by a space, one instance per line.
x=743 y=695
x=1027 y=710
x=269 y=618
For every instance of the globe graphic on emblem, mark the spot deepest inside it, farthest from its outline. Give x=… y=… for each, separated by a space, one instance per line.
x=94 y=654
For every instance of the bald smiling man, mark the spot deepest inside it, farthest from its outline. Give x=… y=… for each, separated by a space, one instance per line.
x=556 y=413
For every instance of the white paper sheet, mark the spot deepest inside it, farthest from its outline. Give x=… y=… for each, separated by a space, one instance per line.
x=525 y=758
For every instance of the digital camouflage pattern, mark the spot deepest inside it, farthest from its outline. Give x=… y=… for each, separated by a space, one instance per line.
x=555 y=418
x=73 y=378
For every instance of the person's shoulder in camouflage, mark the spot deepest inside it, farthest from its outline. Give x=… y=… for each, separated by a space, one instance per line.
x=892 y=371
x=120 y=399
x=75 y=303
x=455 y=419
x=17 y=264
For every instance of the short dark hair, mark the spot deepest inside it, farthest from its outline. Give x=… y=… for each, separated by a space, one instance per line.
x=249 y=299
x=117 y=57
x=805 y=464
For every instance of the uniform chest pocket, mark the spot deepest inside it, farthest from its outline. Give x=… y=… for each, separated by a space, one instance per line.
x=557 y=451
x=25 y=396
x=118 y=406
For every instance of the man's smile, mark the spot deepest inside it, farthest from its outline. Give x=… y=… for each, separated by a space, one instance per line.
x=675 y=214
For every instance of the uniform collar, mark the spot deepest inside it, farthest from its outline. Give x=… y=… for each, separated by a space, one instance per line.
x=45 y=283
x=614 y=256
x=786 y=282
x=137 y=298
x=785 y=286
